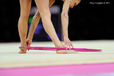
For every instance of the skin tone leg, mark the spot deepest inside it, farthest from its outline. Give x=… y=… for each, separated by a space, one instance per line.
x=34 y=24
x=25 y=6
x=43 y=6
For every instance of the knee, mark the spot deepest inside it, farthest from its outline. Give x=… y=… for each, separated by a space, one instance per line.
x=46 y=15
x=24 y=17
x=46 y=18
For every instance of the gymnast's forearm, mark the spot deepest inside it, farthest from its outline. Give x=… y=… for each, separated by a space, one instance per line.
x=65 y=18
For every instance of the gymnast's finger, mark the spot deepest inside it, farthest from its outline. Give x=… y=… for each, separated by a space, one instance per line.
x=71 y=45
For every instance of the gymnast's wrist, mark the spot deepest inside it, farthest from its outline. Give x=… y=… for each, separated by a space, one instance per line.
x=66 y=37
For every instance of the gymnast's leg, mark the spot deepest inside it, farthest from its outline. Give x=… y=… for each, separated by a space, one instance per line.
x=34 y=24
x=43 y=7
x=25 y=6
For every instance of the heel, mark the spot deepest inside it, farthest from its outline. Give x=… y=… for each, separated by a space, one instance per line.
x=22 y=51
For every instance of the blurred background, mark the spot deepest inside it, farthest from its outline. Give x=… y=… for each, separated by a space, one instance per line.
x=90 y=20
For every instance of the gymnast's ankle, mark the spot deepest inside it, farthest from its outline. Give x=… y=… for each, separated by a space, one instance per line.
x=60 y=51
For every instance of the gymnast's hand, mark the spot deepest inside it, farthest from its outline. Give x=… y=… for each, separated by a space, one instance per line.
x=68 y=43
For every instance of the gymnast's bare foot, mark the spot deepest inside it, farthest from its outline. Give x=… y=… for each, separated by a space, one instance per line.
x=28 y=43
x=61 y=51
x=22 y=51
